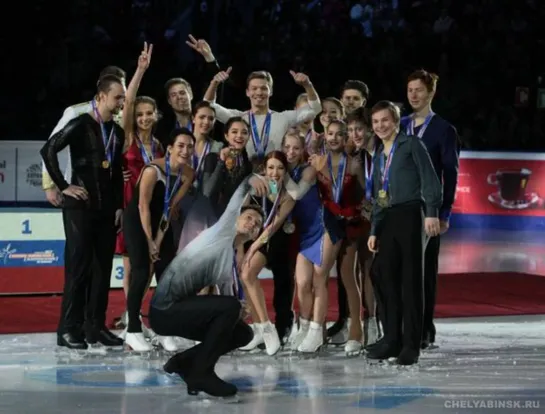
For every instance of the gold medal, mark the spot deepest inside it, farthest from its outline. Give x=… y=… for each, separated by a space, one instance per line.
x=383 y=199
x=105 y=164
x=231 y=161
x=288 y=227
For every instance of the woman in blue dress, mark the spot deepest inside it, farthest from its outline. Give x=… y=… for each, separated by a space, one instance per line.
x=320 y=236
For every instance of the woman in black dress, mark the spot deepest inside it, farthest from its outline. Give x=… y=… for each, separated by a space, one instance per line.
x=148 y=235
x=225 y=171
x=220 y=174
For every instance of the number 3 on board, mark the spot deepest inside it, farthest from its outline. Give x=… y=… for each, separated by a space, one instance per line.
x=26 y=227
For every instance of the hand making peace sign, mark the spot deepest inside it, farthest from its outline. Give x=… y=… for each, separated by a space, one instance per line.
x=201 y=46
x=145 y=56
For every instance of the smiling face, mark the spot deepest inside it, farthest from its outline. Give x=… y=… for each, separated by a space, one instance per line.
x=113 y=99
x=293 y=148
x=237 y=136
x=275 y=170
x=145 y=115
x=179 y=98
x=335 y=137
x=259 y=92
x=182 y=149
x=249 y=223
x=356 y=133
x=352 y=99
x=384 y=125
x=204 y=121
x=330 y=112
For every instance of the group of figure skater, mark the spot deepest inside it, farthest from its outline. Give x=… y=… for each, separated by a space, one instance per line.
x=296 y=192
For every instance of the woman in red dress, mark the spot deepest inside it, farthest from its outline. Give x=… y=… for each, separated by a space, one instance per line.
x=341 y=180
x=139 y=118
x=362 y=143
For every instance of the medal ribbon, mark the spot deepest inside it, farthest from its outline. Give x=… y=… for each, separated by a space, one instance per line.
x=297 y=172
x=411 y=126
x=271 y=214
x=337 y=182
x=198 y=161
x=308 y=138
x=385 y=169
x=368 y=176
x=107 y=141
x=261 y=142
x=170 y=192
x=237 y=286
x=145 y=156
x=296 y=176
x=188 y=126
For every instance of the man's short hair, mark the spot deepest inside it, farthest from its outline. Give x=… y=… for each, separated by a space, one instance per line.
x=178 y=81
x=254 y=207
x=357 y=85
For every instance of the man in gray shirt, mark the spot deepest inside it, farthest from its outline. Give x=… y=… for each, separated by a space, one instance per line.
x=211 y=259
x=407 y=198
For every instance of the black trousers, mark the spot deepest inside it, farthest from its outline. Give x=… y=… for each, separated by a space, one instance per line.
x=431 y=271
x=279 y=261
x=138 y=252
x=89 y=252
x=212 y=320
x=402 y=242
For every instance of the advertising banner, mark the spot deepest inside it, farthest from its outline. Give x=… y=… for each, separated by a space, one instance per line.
x=501 y=191
x=29 y=172
x=8 y=179
x=32 y=253
x=21 y=171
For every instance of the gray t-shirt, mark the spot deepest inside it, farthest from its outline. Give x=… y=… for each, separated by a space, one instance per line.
x=205 y=261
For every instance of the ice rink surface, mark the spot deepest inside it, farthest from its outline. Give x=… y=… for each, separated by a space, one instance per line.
x=481 y=365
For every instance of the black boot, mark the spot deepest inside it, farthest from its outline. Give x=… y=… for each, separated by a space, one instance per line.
x=408 y=356
x=336 y=327
x=71 y=341
x=384 y=351
x=103 y=336
x=425 y=343
x=210 y=384
x=379 y=343
x=180 y=364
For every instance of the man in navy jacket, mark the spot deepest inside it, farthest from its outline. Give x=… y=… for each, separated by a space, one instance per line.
x=442 y=142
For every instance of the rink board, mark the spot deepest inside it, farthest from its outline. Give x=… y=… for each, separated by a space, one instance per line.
x=32 y=253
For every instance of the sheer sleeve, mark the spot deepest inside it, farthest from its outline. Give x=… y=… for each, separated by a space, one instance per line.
x=211 y=178
x=248 y=167
x=56 y=144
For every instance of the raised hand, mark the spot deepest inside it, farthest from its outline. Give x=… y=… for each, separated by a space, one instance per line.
x=222 y=76
x=201 y=46
x=145 y=56
x=300 y=78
